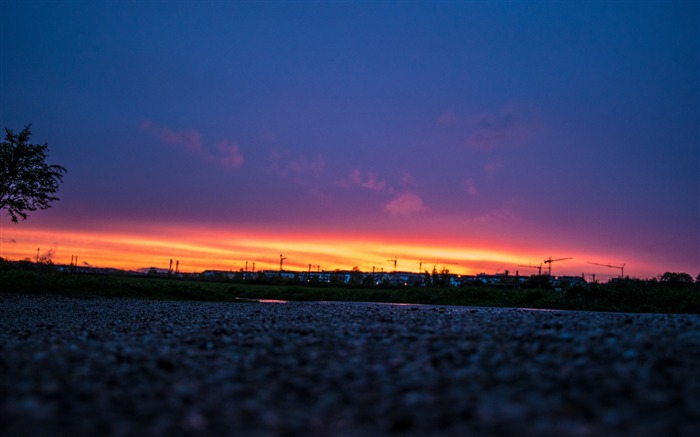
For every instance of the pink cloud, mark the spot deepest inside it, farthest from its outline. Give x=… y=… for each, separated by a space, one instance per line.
x=268 y=137
x=227 y=155
x=230 y=155
x=510 y=125
x=491 y=167
x=317 y=166
x=190 y=139
x=500 y=214
x=447 y=118
x=471 y=188
x=304 y=166
x=302 y=170
x=492 y=129
x=320 y=194
x=406 y=178
x=297 y=167
x=508 y=211
x=368 y=181
x=406 y=203
x=484 y=141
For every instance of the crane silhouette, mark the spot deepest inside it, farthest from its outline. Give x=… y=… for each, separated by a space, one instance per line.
x=550 y=261
x=539 y=268
x=282 y=258
x=622 y=267
x=394 y=260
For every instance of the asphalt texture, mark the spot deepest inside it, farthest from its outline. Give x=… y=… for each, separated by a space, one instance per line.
x=76 y=366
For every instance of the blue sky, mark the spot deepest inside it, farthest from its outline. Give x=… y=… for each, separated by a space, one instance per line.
x=560 y=126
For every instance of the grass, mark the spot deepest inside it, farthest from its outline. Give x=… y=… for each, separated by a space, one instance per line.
x=85 y=285
x=434 y=296
x=622 y=296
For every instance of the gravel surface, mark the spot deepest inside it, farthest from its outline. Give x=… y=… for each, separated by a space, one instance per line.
x=127 y=367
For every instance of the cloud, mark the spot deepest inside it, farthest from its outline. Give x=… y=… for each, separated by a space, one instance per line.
x=303 y=172
x=491 y=167
x=320 y=194
x=490 y=130
x=447 y=118
x=298 y=168
x=471 y=188
x=368 y=180
x=317 y=165
x=230 y=155
x=226 y=155
x=507 y=211
x=497 y=122
x=268 y=137
x=406 y=178
x=190 y=139
x=485 y=141
x=406 y=203
x=500 y=214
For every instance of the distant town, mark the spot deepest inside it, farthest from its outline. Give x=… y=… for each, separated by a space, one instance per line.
x=440 y=278
x=355 y=278
x=314 y=275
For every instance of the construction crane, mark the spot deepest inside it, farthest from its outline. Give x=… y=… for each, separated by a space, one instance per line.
x=550 y=261
x=394 y=260
x=622 y=268
x=282 y=258
x=539 y=268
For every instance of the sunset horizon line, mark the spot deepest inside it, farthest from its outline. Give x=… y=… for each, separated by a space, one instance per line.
x=226 y=250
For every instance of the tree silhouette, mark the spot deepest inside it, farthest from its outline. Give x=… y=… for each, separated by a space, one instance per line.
x=27 y=183
x=676 y=280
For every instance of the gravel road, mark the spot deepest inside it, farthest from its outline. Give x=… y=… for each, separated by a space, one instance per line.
x=127 y=367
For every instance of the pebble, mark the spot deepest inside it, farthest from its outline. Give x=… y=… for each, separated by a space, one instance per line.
x=120 y=367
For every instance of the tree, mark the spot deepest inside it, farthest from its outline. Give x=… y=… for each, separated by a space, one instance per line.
x=355 y=277
x=27 y=183
x=676 y=280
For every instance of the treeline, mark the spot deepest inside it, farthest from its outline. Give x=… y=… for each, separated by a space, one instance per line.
x=670 y=293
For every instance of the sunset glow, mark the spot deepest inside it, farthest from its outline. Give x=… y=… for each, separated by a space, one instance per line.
x=473 y=136
x=199 y=249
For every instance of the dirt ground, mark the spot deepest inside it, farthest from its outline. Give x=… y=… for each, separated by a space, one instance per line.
x=120 y=367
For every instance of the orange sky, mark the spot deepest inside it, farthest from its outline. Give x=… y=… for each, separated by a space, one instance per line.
x=130 y=246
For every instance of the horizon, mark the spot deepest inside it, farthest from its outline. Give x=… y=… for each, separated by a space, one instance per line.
x=478 y=136
x=208 y=252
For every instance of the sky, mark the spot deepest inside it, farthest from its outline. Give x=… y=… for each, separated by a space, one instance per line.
x=475 y=136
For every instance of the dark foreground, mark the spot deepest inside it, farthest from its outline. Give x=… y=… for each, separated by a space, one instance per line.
x=132 y=367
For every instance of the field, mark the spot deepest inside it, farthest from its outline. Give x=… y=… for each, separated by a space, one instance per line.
x=619 y=296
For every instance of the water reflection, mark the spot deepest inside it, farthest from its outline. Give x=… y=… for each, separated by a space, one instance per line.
x=262 y=300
